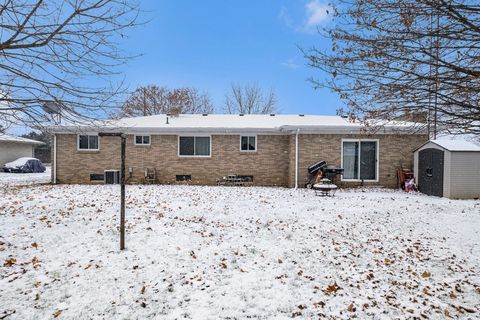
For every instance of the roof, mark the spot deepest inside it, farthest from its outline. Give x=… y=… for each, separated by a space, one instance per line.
x=454 y=145
x=8 y=138
x=229 y=123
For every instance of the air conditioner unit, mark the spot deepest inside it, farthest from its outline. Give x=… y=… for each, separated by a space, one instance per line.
x=112 y=176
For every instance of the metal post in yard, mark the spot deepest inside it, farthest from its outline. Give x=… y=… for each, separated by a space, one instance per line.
x=122 y=183
x=122 y=194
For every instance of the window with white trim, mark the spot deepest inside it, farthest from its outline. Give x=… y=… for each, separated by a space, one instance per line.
x=87 y=142
x=360 y=159
x=142 y=140
x=248 y=143
x=194 y=146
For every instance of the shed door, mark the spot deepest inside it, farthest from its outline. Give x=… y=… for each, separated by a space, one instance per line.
x=430 y=172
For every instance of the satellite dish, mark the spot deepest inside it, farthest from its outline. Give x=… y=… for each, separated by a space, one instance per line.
x=51 y=107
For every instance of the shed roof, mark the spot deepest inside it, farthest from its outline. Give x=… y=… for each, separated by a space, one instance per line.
x=9 y=138
x=454 y=145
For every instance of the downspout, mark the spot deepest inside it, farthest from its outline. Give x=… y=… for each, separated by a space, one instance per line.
x=55 y=159
x=296 y=159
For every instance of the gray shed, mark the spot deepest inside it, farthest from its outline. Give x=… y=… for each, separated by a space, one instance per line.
x=12 y=148
x=448 y=168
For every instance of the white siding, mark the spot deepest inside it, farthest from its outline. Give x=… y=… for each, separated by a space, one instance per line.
x=447 y=171
x=465 y=175
x=10 y=151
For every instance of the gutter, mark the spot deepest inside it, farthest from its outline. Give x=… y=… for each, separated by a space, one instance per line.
x=54 y=159
x=296 y=159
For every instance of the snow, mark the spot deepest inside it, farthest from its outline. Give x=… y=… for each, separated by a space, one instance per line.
x=226 y=123
x=8 y=179
x=231 y=252
x=18 y=162
x=9 y=138
x=458 y=143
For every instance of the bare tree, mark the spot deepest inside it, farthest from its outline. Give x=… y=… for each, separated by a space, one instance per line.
x=60 y=53
x=153 y=99
x=250 y=99
x=407 y=59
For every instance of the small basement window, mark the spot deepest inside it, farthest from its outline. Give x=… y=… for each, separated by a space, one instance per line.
x=185 y=177
x=97 y=177
x=246 y=178
x=87 y=142
x=142 y=140
x=248 y=143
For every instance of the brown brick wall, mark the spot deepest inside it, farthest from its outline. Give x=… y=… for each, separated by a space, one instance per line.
x=269 y=165
x=272 y=164
x=394 y=151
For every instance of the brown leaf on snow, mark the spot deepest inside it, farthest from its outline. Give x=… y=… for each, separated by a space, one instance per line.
x=9 y=262
x=447 y=313
x=452 y=295
x=387 y=261
x=425 y=290
x=57 y=313
x=351 y=308
x=426 y=274
x=331 y=289
x=35 y=245
x=35 y=262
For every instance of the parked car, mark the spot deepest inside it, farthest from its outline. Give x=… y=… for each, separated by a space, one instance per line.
x=24 y=165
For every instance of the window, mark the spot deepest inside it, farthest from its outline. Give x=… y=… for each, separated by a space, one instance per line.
x=184 y=177
x=87 y=142
x=359 y=159
x=248 y=143
x=142 y=140
x=194 y=146
x=97 y=177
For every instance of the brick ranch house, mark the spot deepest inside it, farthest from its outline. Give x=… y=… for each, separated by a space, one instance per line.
x=275 y=150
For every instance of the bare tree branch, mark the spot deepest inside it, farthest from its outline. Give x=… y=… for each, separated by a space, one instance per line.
x=413 y=59
x=250 y=99
x=152 y=99
x=61 y=51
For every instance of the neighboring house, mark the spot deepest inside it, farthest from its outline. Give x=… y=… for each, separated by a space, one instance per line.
x=12 y=148
x=273 y=149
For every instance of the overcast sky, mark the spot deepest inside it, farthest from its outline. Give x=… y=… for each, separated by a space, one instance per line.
x=210 y=44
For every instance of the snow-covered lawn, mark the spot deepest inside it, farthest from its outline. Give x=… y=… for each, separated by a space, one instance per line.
x=220 y=252
x=7 y=178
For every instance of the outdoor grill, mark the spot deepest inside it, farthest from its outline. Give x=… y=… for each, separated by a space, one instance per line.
x=323 y=170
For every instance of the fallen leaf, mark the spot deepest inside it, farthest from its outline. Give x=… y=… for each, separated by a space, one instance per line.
x=447 y=313
x=426 y=274
x=331 y=288
x=9 y=262
x=351 y=308
x=425 y=290
x=57 y=313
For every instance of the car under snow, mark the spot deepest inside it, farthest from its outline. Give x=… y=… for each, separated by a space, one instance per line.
x=24 y=165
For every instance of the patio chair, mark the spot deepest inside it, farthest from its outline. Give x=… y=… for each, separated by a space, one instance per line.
x=150 y=175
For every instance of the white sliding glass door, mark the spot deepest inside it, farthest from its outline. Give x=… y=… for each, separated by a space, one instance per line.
x=360 y=160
